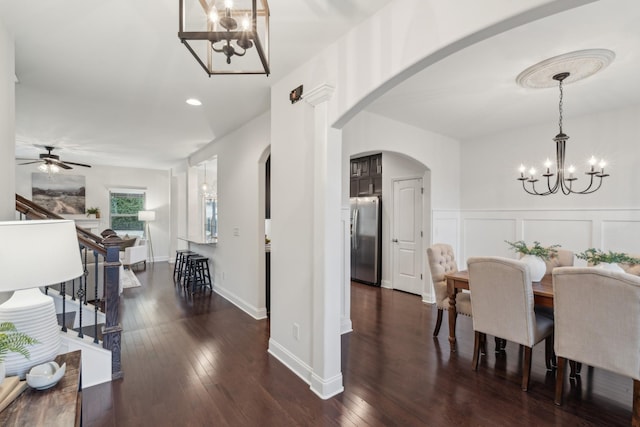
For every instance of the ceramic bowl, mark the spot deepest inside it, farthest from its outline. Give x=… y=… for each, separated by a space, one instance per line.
x=41 y=377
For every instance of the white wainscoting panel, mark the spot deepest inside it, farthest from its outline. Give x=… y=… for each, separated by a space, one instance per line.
x=445 y=226
x=482 y=232
x=573 y=235
x=445 y=230
x=620 y=236
x=486 y=236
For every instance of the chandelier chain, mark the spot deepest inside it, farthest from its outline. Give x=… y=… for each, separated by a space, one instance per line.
x=560 y=107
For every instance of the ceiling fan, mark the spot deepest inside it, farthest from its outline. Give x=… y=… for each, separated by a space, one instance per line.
x=49 y=160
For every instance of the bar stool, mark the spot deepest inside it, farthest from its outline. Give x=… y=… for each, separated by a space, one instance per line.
x=184 y=266
x=199 y=274
x=178 y=262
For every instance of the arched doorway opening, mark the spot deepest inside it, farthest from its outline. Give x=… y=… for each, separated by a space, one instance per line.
x=405 y=219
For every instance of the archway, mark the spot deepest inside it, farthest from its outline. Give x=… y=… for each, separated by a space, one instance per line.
x=396 y=166
x=264 y=229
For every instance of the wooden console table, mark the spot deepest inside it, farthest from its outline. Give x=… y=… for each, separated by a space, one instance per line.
x=61 y=405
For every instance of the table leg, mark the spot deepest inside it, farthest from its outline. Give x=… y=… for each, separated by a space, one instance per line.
x=452 y=319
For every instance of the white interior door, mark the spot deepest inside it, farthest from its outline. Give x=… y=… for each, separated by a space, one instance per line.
x=407 y=235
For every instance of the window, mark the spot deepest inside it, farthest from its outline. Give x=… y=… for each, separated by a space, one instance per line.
x=123 y=207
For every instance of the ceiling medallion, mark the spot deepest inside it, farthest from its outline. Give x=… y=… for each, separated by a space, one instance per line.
x=579 y=64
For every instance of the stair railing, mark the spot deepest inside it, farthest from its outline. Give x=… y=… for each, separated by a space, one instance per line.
x=107 y=248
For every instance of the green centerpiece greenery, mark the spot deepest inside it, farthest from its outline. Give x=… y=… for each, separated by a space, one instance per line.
x=597 y=256
x=13 y=341
x=544 y=252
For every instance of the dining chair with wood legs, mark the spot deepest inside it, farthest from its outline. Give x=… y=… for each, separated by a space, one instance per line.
x=597 y=322
x=442 y=261
x=503 y=306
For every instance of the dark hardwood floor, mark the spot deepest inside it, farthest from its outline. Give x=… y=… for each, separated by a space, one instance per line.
x=204 y=362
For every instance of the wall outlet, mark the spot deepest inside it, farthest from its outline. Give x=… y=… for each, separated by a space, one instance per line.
x=296 y=331
x=236 y=231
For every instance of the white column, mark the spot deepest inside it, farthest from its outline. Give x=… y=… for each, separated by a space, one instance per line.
x=7 y=126
x=326 y=378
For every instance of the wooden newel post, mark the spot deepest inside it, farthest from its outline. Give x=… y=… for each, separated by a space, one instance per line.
x=112 y=330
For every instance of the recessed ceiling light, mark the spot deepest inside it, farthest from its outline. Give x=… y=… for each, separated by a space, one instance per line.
x=193 y=101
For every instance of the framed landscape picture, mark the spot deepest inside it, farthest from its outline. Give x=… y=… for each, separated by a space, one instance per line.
x=60 y=194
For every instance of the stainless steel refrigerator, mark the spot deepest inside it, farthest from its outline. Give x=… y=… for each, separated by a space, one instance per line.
x=366 y=245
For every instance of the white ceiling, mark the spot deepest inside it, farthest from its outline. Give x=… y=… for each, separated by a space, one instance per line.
x=107 y=81
x=474 y=93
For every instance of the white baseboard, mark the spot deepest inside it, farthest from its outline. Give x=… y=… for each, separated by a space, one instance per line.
x=323 y=388
x=346 y=326
x=326 y=389
x=386 y=284
x=256 y=313
x=428 y=298
x=289 y=360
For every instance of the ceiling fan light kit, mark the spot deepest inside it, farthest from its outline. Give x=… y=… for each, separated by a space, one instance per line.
x=51 y=163
x=227 y=37
x=570 y=67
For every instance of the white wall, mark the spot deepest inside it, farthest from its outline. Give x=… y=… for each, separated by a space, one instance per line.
x=497 y=209
x=369 y=132
x=415 y=39
x=99 y=179
x=237 y=260
x=407 y=152
x=408 y=35
x=292 y=216
x=490 y=165
x=7 y=125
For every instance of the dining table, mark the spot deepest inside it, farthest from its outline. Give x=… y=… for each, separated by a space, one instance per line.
x=456 y=282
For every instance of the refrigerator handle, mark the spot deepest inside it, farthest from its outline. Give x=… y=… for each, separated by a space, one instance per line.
x=354 y=236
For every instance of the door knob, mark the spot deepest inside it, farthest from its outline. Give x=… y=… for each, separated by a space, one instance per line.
x=395 y=240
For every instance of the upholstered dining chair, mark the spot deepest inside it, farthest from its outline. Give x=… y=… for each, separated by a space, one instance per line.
x=563 y=258
x=631 y=268
x=608 y=303
x=503 y=306
x=442 y=261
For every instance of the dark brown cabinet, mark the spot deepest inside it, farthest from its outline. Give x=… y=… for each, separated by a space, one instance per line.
x=366 y=176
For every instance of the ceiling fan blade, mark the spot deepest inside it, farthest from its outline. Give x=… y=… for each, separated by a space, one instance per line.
x=29 y=163
x=77 y=164
x=58 y=163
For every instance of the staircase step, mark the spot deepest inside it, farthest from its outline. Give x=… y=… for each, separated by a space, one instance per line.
x=69 y=318
x=88 y=331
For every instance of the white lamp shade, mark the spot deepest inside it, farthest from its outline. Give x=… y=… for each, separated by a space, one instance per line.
x=146 y=215
x=38 y=253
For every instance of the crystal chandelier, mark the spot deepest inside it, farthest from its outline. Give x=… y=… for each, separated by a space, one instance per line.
x=237 y=29
x=564 y=177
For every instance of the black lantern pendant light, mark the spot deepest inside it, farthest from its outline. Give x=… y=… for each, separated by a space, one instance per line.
x=236 y=29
